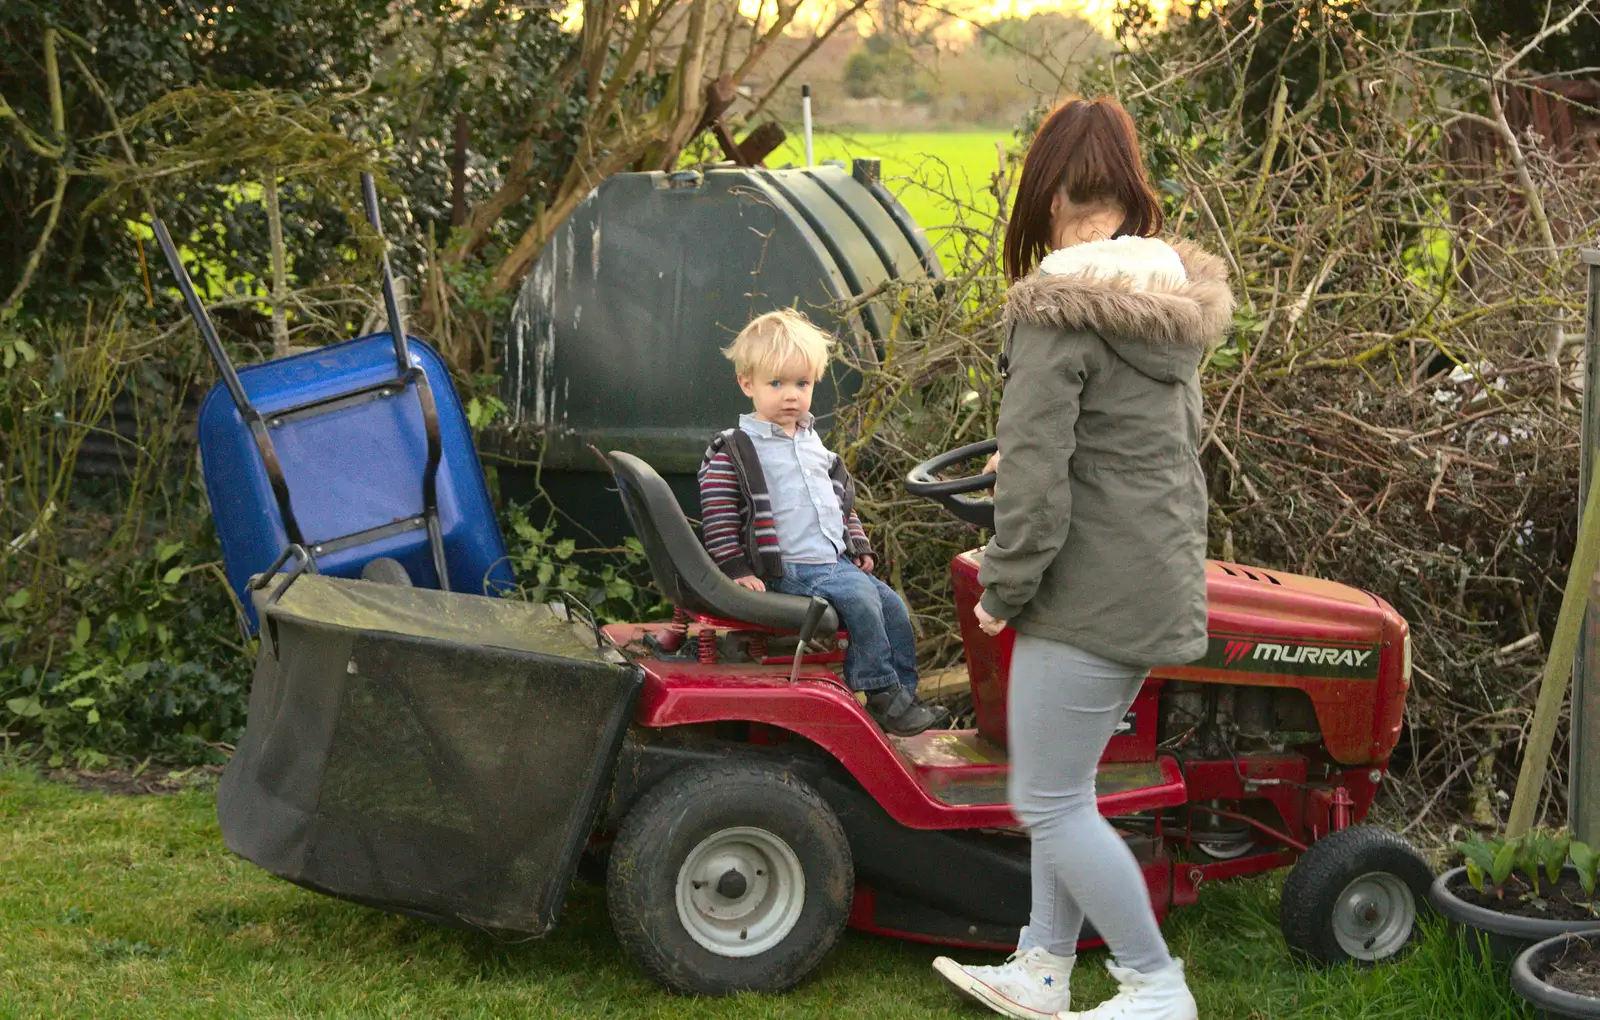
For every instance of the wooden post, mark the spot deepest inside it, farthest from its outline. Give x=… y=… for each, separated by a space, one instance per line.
x=1583 y=773
x=1563 y=648
x=1558 y=668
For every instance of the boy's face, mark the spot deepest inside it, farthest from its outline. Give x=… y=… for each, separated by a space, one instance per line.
x=781 y=396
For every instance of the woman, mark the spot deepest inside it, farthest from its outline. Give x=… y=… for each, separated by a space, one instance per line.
x=1098 y=555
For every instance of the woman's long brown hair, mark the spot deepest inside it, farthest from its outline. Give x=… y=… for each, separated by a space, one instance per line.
x=1087 y=150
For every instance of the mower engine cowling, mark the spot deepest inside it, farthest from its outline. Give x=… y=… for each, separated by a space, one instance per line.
x=1293 y=661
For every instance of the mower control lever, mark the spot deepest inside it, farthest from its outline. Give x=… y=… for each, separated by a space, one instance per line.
x=924 y=480
x=808 y=630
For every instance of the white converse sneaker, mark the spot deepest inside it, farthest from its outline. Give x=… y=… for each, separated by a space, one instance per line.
x=1159 y=996
x=1031 y=985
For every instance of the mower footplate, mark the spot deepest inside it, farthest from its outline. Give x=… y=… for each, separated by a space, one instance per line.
x=1123 y=787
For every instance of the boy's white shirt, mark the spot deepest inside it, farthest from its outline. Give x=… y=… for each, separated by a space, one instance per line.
x=1140 y=261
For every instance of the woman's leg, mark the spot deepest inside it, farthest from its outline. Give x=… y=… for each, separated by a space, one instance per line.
x=1064 y=704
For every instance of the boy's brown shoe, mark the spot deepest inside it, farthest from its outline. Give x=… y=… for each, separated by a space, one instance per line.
x=901 y=713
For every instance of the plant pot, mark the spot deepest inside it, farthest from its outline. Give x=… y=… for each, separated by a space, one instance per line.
x=1527 y=977
x=1508 y=934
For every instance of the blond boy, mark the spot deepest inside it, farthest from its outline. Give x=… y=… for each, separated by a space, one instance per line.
x=778 y=511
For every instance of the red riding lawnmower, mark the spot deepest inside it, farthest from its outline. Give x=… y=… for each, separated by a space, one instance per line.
x=757 y=809
x=450 y=756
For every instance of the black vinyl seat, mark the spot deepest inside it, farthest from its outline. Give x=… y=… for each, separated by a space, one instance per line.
x=683 y=569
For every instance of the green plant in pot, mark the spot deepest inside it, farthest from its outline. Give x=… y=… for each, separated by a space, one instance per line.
x=1521 y=890
x=1517 y=894
x=1537 y=874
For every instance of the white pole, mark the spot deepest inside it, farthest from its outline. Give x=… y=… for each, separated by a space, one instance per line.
x=805 y=119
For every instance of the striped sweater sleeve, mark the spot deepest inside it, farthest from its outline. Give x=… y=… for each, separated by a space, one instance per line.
x=721 y=516
x=855 y=536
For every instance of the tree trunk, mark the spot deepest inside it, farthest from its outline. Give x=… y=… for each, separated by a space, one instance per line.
x=690 y=90
x=611 y=142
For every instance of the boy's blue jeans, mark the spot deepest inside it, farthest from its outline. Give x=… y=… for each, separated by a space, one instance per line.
x=883 y=647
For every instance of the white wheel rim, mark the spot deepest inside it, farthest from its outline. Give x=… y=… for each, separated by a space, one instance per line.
x=1374 y=916
x=1227 y=851
x=740 y=891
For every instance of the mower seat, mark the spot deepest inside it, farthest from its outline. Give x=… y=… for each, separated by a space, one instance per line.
x=682 y=568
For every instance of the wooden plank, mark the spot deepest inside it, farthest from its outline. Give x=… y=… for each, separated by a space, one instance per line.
x=944 y=683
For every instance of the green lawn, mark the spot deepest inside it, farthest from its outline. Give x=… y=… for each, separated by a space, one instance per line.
x=115 y=906
x=931 y=172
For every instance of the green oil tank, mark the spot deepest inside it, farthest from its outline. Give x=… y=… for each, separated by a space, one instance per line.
x=614 y=341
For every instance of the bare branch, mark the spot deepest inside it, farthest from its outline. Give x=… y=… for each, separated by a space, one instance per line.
x=58 y=126
x=805 y=54
x=1544 y=33
x=280 y=283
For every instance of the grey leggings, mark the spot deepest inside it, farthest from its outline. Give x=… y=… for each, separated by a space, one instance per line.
x=1064 y=705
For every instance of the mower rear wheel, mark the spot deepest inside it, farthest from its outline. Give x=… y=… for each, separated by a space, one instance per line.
x=730 y=877
x=1355 y=895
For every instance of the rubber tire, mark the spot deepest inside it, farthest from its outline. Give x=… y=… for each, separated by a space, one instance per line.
x=669 y=821
x=1305 y=912
x=384 y=570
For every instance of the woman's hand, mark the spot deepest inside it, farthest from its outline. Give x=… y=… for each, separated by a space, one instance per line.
x=986 y=623
x=751 y=581
x=993 y=463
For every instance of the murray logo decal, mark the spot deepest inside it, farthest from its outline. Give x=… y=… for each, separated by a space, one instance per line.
x=1256 y=655
x=1236 y=650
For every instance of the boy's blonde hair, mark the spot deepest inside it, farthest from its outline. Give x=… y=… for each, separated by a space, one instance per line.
x=776 y=340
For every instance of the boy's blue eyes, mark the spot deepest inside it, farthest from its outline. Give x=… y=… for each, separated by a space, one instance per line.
x=803 y=383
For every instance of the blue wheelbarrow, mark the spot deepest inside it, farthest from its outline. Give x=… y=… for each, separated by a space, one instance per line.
x=358 y=452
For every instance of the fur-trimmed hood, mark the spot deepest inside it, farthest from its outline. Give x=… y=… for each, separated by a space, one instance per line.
x=1159 y=306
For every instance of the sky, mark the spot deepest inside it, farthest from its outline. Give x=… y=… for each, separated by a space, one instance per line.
x=1099 y=12
x=814 y=13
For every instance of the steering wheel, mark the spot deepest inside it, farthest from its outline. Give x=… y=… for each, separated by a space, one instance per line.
x=951 y=493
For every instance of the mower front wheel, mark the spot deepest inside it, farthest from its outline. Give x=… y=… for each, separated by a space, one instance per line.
x=728 y=878
x=1355 y=895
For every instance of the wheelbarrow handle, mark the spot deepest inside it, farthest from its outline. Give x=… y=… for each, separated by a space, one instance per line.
x=230 y=380
x=202 y=321
x=419 y=377
x=397 y=328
